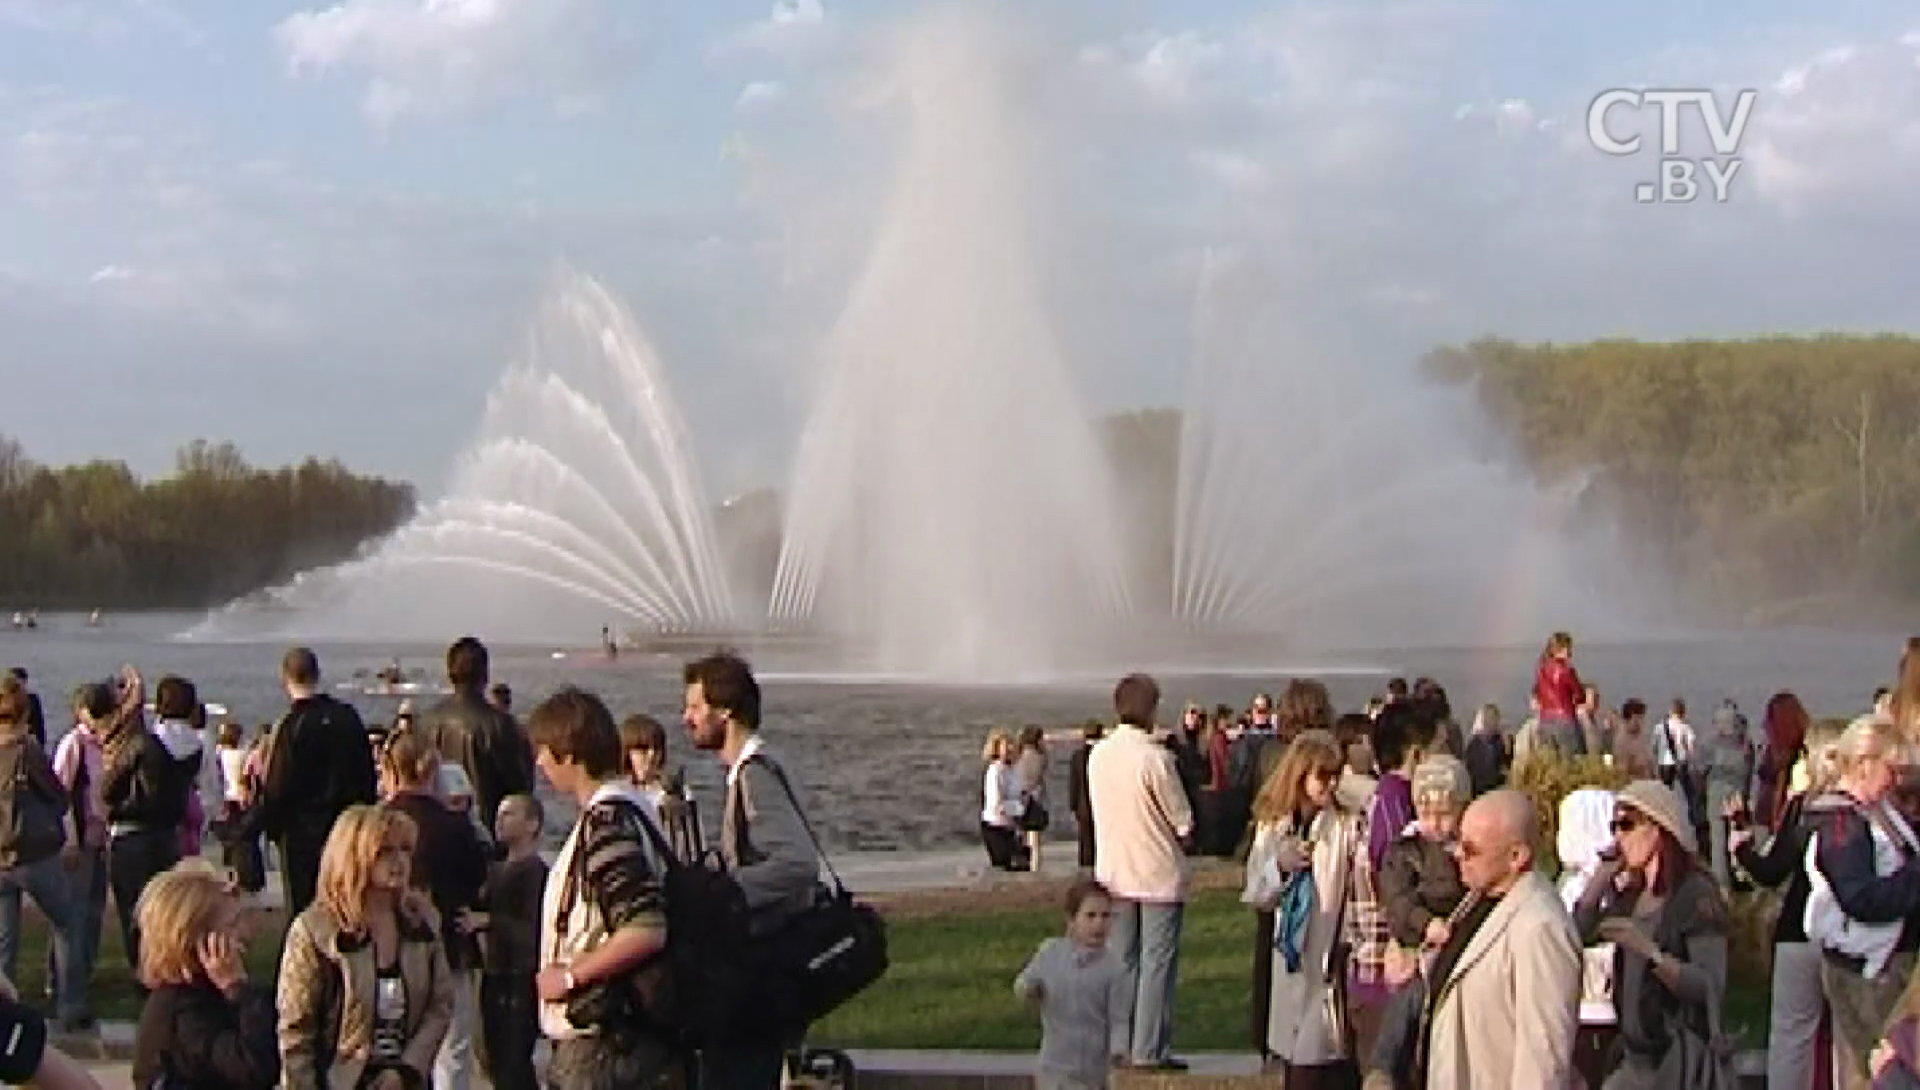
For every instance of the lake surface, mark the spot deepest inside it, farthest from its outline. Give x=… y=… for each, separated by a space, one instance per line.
x=888 y=766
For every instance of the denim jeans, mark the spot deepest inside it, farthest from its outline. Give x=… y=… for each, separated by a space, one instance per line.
x=49 y=884
x=453 y=1064
x=87 y=886
x=1147 y=937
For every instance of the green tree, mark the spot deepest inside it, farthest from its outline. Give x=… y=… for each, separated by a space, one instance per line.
x=96 y=535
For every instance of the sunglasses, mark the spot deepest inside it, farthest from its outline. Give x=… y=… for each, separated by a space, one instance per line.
x=1624 y=824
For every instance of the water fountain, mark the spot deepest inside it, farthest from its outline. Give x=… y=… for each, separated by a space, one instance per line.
x=950 y=508
x=579 y=499
x=1358 y=506
x=950 y=512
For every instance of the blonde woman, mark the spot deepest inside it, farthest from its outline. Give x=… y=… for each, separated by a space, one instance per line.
x=204 y=1025
x=1300 y=870
x=1861 y=890
x=365 y=994
x=1000 y=807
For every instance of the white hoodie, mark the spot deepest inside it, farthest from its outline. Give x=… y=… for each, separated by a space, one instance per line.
x=181 y=740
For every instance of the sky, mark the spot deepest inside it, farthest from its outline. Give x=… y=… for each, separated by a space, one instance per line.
x=323 y=229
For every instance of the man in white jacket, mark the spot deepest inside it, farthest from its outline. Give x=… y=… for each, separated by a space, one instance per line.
x=1507 y=981
x=1141 y=826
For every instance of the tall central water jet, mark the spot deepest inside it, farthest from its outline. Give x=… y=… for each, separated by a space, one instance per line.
x=950 y=507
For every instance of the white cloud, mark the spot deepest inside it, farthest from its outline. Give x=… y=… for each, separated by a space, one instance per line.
x=1176 y=70
x=796 y=12
x=1842 y=127
x=107 y=273
x=427 y=57
x=790 y=29
x=759 y=95
x=1515 y=116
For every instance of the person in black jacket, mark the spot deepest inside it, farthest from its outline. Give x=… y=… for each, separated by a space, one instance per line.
x=204 y=1026
x=1799 y=999
x=470 y=731
x=146 y=800
x=1077 y=796
x=319 y=764
x=450 y=864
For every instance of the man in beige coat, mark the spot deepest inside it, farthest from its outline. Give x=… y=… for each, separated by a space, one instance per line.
x=1507 y=992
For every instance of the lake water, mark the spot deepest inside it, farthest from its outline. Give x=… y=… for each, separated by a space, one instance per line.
x=895 y=767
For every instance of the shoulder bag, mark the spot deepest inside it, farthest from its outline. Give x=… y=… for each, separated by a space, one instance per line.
x=821 y=957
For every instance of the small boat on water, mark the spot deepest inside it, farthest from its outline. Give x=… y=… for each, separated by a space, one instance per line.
x=395 y=688
x=392 y=681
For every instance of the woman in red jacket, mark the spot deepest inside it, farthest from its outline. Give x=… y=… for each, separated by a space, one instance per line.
x=1558 y=689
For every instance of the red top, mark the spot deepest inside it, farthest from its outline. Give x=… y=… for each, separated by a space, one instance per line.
x=1557 y=688
x=1217 y=761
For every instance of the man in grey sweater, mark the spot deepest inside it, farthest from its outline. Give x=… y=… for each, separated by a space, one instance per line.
x=763 y=839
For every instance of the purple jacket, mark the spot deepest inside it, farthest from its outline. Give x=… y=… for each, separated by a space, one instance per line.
x=1388 y=816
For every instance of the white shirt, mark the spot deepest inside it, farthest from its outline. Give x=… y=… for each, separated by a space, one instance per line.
x=751 y=747
x=585 y=929
x=1140 y=812
x=233 y=770
x=1673 y=743
x=1002 y=805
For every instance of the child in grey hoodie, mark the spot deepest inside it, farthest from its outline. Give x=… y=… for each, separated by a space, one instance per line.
x=1083 y=994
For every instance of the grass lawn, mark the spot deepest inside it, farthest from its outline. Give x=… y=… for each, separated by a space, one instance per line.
x=951 y=982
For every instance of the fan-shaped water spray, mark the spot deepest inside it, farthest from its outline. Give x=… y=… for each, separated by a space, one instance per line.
x=580 y=489
x=1350 y=505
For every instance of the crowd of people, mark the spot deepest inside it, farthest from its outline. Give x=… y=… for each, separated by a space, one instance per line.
x=1407 y=935
x=1405 y=930
x=424 y=934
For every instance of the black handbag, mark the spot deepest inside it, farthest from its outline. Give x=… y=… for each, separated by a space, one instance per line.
x=1034 y=817
x=821 y=957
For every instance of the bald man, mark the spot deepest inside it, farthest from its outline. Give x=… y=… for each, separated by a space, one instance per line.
x=1506 y=1004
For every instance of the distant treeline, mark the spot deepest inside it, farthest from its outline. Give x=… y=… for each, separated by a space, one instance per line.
x=1777 y=478
x=92 y=535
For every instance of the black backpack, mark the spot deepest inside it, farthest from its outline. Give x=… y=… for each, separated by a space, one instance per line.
x=689 y=993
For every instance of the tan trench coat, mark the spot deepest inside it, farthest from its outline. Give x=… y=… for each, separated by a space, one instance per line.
x=1509 y=1009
